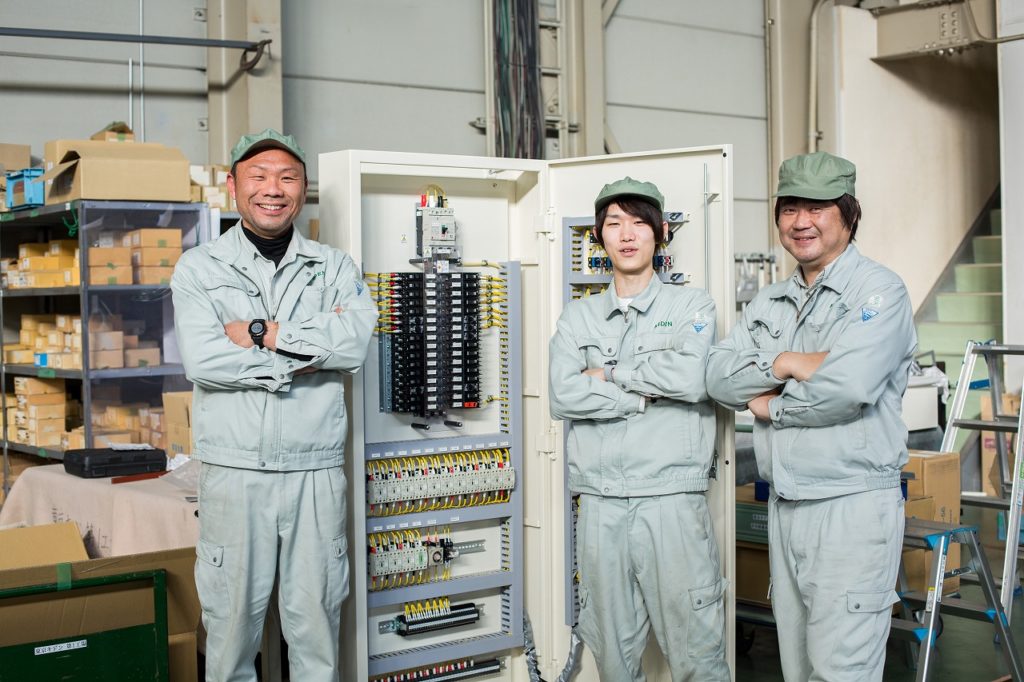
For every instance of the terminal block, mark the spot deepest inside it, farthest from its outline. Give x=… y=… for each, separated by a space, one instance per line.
x=410 y=557
x=453 y=671
x=415 y=484
x=431 y=615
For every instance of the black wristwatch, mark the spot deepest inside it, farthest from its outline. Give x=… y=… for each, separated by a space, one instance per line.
x=257 y=328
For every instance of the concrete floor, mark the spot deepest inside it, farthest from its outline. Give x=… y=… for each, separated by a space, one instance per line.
x=966 y=651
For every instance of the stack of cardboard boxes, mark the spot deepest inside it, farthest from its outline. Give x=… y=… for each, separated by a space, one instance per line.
x=935 y=489
x=53 y=341
x=38 y=418
x=115 y=342
x=143 y=256
x=177 y=417
x=209 y=184
x=114 y=421
x=43 y=265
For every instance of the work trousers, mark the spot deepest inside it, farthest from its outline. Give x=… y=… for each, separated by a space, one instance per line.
x=651 y=563
x=834 y=564
x=255 y=527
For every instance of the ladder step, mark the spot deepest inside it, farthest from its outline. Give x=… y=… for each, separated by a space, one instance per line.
x=909 y=630
x=953 y=606
x=1001 y=425
x=998 y=349
x=972 y=498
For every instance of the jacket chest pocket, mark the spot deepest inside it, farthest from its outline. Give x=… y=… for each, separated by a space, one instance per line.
x=233 y=298
x=650 y=343
x=317 y=298
x=599 y=350
x=765 y=332
x=823 y=324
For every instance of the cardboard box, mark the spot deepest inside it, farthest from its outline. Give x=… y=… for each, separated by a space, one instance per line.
x=156 y=256
x=106 y=341
x=106 y=323
x=19 y=356
x=753 y=574
x=178 y=408
x=110 y=256
x=179 y=440
x=78 y=614
x=29 y=249
x=936 y=475
x=48 y=262
x=15 y=156
x=44 y=280
x=41 y=546
x=153 y=237
x=25 y=401
x=44 y=411
x=142 y=357
x=117 y=131
x=110 y=275
x=33 y=321
x=152 y=275
x=66 y=323
x=73 y=276
x=63 y=247
x=90 y=169
x=33 y=386
x=106 y=359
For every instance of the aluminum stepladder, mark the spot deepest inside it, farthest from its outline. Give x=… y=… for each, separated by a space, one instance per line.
x=1012 y=483
x=936 y=536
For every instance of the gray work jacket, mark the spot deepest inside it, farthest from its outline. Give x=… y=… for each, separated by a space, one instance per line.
x=251 y=408
x=659 y=349
x=839 y=432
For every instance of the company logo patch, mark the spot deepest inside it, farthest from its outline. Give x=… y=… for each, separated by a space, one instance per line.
x=359 y=287
x=867 y=313
x=875 y=301
x=664 y=324
x=700 y=321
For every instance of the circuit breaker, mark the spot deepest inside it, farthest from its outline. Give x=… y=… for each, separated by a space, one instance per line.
x=455 y=467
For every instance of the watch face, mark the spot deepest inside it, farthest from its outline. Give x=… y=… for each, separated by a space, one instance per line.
x=257 y=327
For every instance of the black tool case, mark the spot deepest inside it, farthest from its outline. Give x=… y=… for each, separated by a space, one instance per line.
x=103 y=462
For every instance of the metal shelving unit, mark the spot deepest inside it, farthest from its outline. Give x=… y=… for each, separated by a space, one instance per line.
x=89 y=222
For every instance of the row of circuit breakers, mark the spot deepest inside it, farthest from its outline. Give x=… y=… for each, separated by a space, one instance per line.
x=429 y=346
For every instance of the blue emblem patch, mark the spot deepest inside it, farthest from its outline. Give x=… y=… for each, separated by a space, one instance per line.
x=867 y=313
x=359 y=287
x=699 y=322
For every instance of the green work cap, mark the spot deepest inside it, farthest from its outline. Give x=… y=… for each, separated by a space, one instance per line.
x=629 y=186
x=818 y=176
x=268 y=139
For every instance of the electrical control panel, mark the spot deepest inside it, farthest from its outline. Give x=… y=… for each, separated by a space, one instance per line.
x=456 y=469
x=437 y=451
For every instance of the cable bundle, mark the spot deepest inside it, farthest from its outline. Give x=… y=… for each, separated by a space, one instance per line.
x=519 y=110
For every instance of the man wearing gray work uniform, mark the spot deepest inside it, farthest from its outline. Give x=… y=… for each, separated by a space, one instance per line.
x=821 y=360
x=627 y=371
x=268 y=322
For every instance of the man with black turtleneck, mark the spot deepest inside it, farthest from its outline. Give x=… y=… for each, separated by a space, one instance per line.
x=268 y=322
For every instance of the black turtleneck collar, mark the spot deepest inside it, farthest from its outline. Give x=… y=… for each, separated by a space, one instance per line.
x=272 y=249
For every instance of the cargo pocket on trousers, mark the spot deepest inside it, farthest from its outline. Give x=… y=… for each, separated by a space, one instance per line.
x=862 y=643
x=705 y=633
x=585 y=623
x=338 y=563
x=211 y=583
